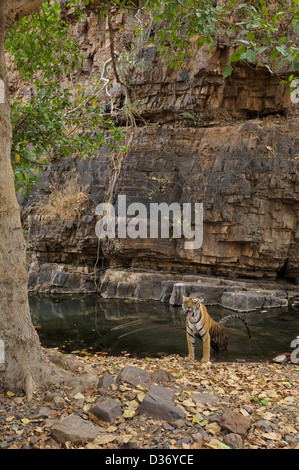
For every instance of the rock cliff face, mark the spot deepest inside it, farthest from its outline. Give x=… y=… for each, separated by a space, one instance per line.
x=245 y=175
x=232 y=144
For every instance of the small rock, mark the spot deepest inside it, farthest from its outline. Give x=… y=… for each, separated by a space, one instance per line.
x=134 y=376
x=132 y=445
x=290 y=439
x=49 y=397
x=159 y=403
x=161 y=376
x=167 y=427
x=197 y=437
x=33 y=440
x=281 y=359
x=183 y=440
x=179 y=423
x=74 y=429
x=215 y=418
x=209 y=398
x=249 y=409
x=265 y=427
x=42 y=413
x=234 y=441
x=234 y=421
x=57 y=403
x=105 y=381
x=107 y=410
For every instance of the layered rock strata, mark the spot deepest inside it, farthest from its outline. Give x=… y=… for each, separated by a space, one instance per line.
x=246 y=176
x=231 y=144
x=237 y=295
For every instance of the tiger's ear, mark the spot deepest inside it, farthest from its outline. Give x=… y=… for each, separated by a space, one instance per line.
x=201 y=299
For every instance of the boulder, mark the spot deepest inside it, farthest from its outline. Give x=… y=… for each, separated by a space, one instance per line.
x=234 y=421
x=105 y=381
x=74 y=429
x=159 y=403
x=107 y=410
x=210 y=291
x=281 y=359
x=160 y=376
x=234 y=441
x=134 y=376
x=252 y=300
x=207 y=398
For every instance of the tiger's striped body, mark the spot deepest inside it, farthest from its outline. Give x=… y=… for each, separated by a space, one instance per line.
x=200 y=324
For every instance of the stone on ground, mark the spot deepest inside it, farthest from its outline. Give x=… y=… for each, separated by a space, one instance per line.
x=159 y=403
x=74 y=429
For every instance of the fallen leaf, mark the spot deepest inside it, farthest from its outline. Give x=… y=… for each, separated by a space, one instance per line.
x=90 y=445
x=9 y=418
x=185 y=446
x=111 y=428
x=133 y=405
x=290 y=429
x=223 y=446
x=129 y=413
x=271 y=435
x=268 y=415
x=214 y=444
x=141 y=396
x=104 y=439
x=213 y=428
x=78 y=396
x=188 y=402
x=38 y=429
x=25 y=421
x=127 y=438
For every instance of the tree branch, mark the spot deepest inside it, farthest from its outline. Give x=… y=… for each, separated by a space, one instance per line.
x=14 y=10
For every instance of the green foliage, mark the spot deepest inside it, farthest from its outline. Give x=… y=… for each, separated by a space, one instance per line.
x=61 y=117
x=254 y=30
x=40 y=43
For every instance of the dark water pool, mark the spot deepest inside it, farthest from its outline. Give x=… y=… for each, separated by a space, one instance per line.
x=95 y=325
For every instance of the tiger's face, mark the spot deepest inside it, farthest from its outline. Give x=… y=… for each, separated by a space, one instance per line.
x=191 y=305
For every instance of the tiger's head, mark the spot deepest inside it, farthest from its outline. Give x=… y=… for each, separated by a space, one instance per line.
x=191 y=305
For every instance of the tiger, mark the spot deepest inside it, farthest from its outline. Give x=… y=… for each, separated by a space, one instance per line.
x=199 y=323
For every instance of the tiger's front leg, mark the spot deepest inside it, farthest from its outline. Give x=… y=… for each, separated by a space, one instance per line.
x=190 y=341
x=206 y=348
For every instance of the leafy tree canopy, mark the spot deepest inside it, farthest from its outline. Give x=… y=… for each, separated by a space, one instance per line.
x=62 y=117
x=259 y=31
x=59 y=121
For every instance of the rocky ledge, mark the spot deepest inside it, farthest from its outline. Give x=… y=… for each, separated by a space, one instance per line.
x=237 y=295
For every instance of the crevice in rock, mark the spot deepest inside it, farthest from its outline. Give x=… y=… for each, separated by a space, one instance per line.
x=252 y=114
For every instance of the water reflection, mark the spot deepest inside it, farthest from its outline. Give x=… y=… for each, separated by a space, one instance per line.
x=93 y=324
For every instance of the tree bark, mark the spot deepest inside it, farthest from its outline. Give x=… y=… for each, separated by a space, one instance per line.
x=25 y=365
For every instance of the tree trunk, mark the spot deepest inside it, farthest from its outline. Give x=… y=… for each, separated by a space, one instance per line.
x=25 y=365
